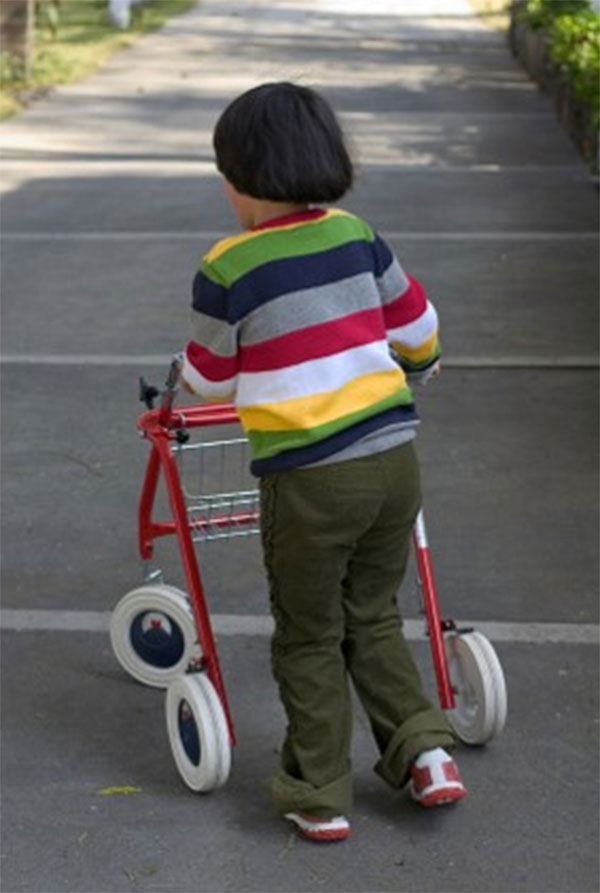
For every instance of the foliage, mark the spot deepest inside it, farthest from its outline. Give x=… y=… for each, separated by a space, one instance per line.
x=541 y=13
x=575 y=45
x=573 y=34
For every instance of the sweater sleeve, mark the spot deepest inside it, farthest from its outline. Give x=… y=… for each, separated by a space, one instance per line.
x=210 y=365
x=411 y=320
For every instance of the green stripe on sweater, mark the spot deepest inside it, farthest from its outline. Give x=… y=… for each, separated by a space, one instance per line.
x=269 y=443
x=278 y=244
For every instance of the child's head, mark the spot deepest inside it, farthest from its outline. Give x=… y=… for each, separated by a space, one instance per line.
x=281 y=142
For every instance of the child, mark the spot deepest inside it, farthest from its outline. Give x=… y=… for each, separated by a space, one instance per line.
x=293 y=320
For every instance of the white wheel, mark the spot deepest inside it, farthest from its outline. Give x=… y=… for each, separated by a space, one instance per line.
x=198 y=732
x=153 y=635
x=498 y=682
x=479 y=688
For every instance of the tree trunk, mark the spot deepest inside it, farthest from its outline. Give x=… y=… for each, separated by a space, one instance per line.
x=16 y=31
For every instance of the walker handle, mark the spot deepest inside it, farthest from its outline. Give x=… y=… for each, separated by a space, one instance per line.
x=149 y=393
x=171 y=388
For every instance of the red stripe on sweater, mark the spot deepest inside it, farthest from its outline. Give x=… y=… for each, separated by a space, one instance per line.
x=286 y=219
x=314 y=342
x=407 y=307
x=209 y=364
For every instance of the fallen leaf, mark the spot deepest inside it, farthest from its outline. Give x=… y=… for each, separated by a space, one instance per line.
x=119 y=789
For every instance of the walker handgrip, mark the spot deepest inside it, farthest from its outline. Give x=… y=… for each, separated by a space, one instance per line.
x=171 y=388
x=174 y=372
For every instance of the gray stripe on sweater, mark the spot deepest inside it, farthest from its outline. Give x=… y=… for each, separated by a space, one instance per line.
x=299 y=309
x=376 y=442
x=216 y=334
x=393 y=283
x=308 y=307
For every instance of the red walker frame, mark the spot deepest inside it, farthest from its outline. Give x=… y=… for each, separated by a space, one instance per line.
x=164 y=426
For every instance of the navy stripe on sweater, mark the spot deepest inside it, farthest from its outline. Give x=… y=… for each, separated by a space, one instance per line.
x=315 y=452
x=279 y=277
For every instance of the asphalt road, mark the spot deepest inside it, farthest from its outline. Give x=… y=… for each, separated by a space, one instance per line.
x=109 y=199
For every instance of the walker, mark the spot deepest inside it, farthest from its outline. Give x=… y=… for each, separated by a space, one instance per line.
x=163 y=637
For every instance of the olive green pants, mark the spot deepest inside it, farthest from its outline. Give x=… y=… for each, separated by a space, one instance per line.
x=336 y=540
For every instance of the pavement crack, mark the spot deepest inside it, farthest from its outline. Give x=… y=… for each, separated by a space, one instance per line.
x=93 y=468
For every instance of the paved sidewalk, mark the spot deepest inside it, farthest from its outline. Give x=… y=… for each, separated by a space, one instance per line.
x=109 y=198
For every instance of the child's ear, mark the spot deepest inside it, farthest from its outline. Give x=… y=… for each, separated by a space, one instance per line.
x=243 y=205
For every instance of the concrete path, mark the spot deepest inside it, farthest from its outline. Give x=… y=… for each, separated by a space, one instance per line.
x=109 y=198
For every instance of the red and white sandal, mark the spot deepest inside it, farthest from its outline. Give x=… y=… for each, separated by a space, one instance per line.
x=435 y=779
x=322 y=830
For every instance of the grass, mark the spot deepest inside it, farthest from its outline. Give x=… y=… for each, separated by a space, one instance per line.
x=73 y=38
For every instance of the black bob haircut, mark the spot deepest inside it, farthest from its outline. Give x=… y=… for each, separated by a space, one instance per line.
x=282 y=142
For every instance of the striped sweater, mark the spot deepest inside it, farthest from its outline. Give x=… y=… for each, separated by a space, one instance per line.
x=293 y=320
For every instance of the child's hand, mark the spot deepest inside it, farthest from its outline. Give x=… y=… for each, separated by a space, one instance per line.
x=186 y=386
x=423 y=378
x=434 y=372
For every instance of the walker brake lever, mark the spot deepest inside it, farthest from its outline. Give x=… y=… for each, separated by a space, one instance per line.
x=148 y=393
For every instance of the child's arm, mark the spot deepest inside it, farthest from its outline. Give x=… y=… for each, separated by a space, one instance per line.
x=210 y=362
x=410 y=318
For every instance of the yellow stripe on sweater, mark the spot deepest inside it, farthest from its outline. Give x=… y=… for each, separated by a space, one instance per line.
x=319 y=409
x=225 y=244
x=417 y=354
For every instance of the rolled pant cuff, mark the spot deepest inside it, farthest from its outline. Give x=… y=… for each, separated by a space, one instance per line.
x=423 y=731
x=290 y=794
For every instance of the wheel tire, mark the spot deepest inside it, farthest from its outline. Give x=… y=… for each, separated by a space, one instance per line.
x=480 y=692
x=198 y=732
x=498 y=682
x=153 y=635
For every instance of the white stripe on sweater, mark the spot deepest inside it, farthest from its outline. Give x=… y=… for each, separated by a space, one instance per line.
x=314 y=376
x=415 y=333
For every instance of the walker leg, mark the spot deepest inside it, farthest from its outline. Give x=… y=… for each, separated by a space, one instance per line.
x=435 y=625
x=192 y=574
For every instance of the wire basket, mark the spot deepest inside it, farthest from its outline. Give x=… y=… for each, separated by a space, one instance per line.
x=221 y=496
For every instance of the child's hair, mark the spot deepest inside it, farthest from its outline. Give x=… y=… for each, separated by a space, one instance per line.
x=282 y=142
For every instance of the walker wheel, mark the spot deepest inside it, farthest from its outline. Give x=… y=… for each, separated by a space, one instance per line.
x=198 y=732
x=153 y=634
x=479 y=686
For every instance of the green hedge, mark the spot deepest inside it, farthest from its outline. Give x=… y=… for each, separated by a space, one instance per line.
x=573 y=33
